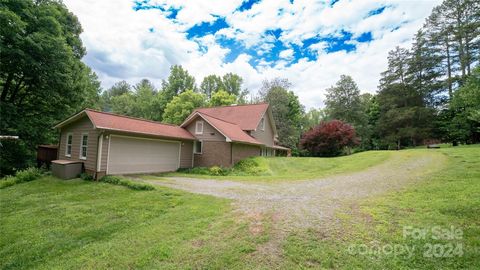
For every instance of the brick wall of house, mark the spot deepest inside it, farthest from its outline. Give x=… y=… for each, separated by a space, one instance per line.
x=242 y=151
x=214 y=154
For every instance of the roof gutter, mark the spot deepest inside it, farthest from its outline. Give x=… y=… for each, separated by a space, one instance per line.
x=150 y=134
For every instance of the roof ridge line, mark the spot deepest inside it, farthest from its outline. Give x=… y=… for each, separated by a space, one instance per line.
x=218 y=119
x=132 y=117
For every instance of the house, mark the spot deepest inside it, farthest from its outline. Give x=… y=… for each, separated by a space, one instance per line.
x=108 y=143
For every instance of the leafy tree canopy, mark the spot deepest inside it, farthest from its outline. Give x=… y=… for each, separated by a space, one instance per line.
x=177 y=82
x=211 y=84
x=182 y=105
x=313 y=117
x=329 y=138
x=287 y=111
x=230 y=83
x=144 y=101
x=343 y=101
x=42 y=77
x=118 y=89
x=221 y=98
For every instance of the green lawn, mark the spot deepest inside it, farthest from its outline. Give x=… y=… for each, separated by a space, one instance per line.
x=303 y=168
x=50 y=223
x=447 y=198
x=55 y=224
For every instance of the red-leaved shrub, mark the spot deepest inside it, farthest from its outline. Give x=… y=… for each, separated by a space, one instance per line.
x=329 y=138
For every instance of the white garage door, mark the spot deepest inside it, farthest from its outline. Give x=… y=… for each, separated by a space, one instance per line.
x=132 y=155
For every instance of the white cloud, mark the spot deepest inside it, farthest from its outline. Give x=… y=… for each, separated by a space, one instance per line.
x=120 y=45
x=287 y=54
x=318 y=47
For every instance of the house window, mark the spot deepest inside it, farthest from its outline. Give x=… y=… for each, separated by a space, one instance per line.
x=199 y=127
x=83 y=146
x=68 y=148
x=262 y=123
x=197 y=147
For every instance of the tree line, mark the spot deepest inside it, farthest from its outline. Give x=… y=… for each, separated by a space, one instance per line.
x=429 y=92
x=175 y=99
x=179 y=96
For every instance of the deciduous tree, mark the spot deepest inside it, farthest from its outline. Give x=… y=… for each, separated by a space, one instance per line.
x=329 y=139
x=286 y=109
x=177 y=82
x=221 y=98
x=343 y=102
x=42 y=77
x=182 y=105
x=210 y=85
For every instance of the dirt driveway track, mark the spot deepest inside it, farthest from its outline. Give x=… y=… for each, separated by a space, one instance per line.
x=307 y=203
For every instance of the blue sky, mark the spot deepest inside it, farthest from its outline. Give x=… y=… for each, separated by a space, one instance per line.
x=311 y=43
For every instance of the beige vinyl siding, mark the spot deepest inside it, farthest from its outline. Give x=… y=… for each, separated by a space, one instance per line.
x=186 y=154
x=264 y=136
x=103 y=166
x=209 y=132
x=78 y=128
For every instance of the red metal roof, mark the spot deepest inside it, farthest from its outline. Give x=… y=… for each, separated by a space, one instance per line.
x=232 y=131
x=247 y=117
x=110 y=121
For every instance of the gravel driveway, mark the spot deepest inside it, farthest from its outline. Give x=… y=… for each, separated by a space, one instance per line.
x=309 y=203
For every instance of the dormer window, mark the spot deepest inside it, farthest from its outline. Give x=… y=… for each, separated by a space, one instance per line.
x=262 y=123
x=199 y=127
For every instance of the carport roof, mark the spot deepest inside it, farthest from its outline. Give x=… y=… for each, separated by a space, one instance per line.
x=115 y=122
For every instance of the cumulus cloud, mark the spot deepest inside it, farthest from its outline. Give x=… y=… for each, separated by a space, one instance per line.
x=128 y=44
x=286 y=54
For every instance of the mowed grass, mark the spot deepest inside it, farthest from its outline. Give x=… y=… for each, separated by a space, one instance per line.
x=300 y=168
x=56 y=224
x=371 y=228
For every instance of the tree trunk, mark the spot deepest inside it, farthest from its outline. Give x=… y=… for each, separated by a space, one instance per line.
x=449 y=70
x=6 y=87
x=17 y=89
x=459 y=37
x=467 y=53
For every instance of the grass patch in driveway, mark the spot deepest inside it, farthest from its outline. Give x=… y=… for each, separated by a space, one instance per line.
x=299 y=168
x=51 y=223
x=446 y=198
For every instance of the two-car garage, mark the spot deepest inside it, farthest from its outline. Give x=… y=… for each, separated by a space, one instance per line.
x=128 y=155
